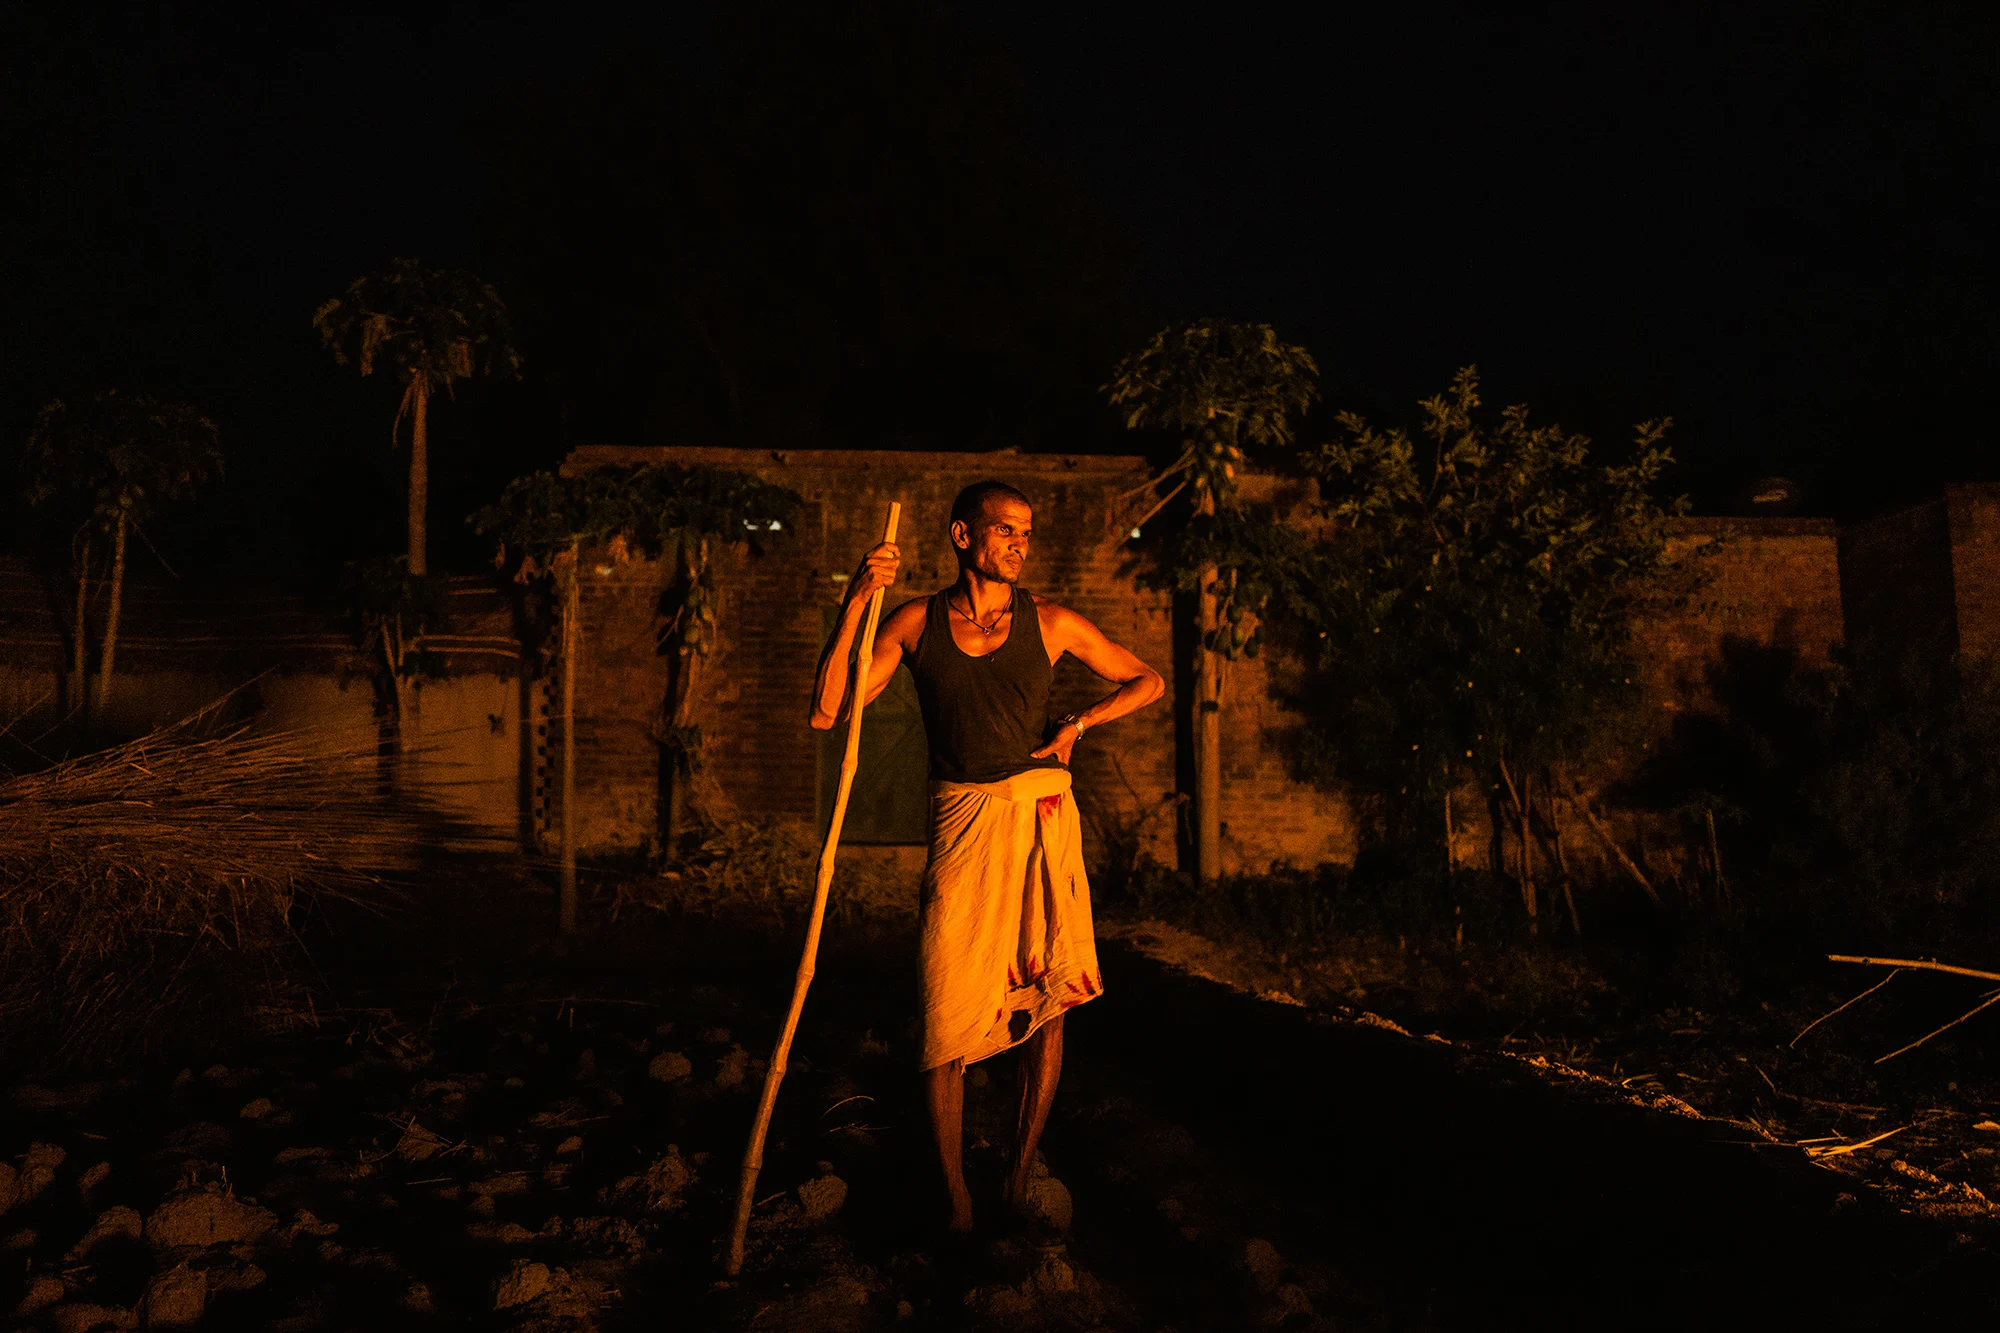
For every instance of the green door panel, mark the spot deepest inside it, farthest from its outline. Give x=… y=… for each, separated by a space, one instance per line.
x=890 y=800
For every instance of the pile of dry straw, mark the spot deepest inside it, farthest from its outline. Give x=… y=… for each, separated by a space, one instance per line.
x=162 y=883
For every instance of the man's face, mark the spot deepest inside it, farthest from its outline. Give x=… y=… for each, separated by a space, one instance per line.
x=996 y=542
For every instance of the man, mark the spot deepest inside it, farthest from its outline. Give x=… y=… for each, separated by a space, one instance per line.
x=1007 y=943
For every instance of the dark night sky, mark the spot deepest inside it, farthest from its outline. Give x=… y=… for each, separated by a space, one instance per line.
x=1775 y=224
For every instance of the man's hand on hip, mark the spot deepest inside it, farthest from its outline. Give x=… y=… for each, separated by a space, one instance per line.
x=1064 y=742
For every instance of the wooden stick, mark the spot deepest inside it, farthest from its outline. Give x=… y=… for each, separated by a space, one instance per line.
x=1913 y=962
x=1610 y=844
x=1856 y=1000
x=774 y=1073
x=1991 y=999
x=1527 y=871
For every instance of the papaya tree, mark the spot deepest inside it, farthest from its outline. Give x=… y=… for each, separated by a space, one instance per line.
x=96 y=471
x=428 y=328
x=392 y=609
x=686 y=513
x=545 y=523
x=1222 y=389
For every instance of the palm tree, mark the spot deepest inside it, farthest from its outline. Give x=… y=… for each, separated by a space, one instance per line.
x=430 y=328
x=100 y=469
x=1221 y=387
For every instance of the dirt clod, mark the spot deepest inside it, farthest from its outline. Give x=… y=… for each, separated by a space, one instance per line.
x=733 y=1069
x=92 y=1177
x=1049 y=1203
x=1262 y=1265
x=1054 y=1276
x=525 y=1282
x=668 y=1066
x=120 y=1223
x=38 y=1169
x=80 y=1318
x=43 y=1292
x=175 y=1298
x=822 y=1196
x=236 y=1275
x=1288 y=1301
x=206 y=1216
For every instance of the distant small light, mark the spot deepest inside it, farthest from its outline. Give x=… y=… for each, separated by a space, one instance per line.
x=838 y=578
x=603 y=571
x=1135 y=534
x=776 y=526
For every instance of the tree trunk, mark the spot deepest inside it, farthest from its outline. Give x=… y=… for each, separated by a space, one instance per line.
x=406 y=727
x=79 y=671
x=1528 y=895
x=111 y=614
x=1714 y=856
x=1562 y=864
x=420 y=470
x=1450 y=857
x=1521 y=796
x=1207 y=739
x=571 y=602
x=679 y=815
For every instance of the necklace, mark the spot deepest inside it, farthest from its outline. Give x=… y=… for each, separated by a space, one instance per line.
x=988 y=630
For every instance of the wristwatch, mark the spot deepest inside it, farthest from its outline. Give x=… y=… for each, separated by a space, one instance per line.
x=1071 y=720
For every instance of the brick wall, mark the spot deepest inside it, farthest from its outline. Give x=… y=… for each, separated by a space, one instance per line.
x=1896 y=579
x=1973 y=521
x=1772 y=582
x=291 y=664
x=755 y=690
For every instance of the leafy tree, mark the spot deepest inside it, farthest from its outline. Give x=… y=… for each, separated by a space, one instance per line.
x=430 y=328
x=97 y=471
x=1469 y=611
x=544 y=523
x=1222 y=389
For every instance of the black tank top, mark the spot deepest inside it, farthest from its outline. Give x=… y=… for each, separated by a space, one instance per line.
x=984 y=715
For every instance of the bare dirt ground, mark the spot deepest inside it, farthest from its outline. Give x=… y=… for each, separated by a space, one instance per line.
x=486 y=1131
x=1922 y=1137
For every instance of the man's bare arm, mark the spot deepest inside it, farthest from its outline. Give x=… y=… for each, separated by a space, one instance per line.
x=1138 y=684
x=892 y=638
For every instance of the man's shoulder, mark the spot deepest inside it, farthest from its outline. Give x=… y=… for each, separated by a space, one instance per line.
x=906 y=621
x=1049 y=609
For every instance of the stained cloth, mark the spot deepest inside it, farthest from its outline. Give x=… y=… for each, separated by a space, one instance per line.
x=1005 y=915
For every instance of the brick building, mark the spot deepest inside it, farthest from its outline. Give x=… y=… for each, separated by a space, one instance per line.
x=1929 y=573
x=1772 y=582
x=1785 y=589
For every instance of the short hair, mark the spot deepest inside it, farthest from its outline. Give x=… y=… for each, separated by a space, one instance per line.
x=974 y=497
